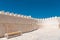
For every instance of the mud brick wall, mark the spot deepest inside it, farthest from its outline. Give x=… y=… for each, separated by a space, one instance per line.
x=10 y=24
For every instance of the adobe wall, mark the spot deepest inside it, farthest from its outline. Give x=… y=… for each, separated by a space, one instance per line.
x=10 y=24
x=50 y=23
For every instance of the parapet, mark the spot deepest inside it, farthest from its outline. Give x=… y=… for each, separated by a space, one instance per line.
x=12 y=24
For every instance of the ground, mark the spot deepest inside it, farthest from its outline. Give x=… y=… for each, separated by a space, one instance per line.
x=40 y=34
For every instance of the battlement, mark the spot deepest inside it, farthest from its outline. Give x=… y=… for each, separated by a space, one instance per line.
x=16 y=15
x=14 y=24
x=11 y=23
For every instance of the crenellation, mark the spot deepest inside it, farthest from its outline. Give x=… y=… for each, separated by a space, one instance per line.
x=24 y=16
x=18 y=15
x=15 y=15
x=2 y=12
x=12 y=14
x=6 y=13
x=13 y=23
x=27 y=17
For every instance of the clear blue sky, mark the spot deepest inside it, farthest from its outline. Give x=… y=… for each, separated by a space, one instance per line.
x=35 y=8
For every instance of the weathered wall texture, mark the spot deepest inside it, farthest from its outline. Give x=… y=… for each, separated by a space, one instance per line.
x=10 y=24
x=50 y=23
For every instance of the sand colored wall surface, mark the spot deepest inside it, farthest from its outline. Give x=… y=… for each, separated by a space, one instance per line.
x=17 y=24
x=10 y=24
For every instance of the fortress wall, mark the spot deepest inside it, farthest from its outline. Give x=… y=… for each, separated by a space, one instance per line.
x=50 y=23
x=12 y=19
x=10 y=24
